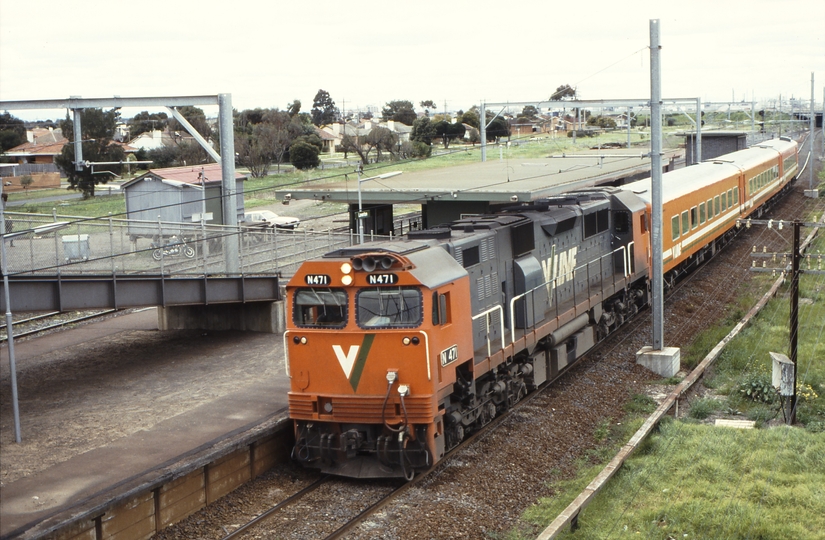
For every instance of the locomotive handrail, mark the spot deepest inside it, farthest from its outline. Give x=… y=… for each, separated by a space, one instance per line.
x=625 y=259
x=501 y=321
x=427 y=353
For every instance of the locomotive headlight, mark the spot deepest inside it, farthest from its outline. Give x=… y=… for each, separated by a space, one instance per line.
x=302 y=340
x=346 y=268
x=328 y=407
x=346 y=280
x=405 y=341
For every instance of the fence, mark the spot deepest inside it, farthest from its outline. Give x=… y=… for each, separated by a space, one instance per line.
x=42 y=244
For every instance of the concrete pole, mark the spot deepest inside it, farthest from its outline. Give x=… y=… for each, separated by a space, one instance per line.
x=230 y=206
x=628 y=127
x=698 y=130
x=482 y=126
x=656 y=188
x=78 y=138
x=813 y=137
x=9 y=327
x=753 y=116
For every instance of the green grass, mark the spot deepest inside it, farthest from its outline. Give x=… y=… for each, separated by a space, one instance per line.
x=693 y=481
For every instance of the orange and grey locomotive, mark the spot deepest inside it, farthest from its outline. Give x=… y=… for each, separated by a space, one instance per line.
x=396 y=350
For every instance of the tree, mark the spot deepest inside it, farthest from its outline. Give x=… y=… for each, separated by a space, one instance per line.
x=196 y=117
x=497 y=129
x=423 y=131
x=601 y=121
x=164 y=156
x=382 y=139
x=529 y=112
x=26 y=180
x=448 y=131
x=12 y=131
x=471 y=117
x=352 y=143
x=399 y=111
x=323 y=109
x=427 y=105
x=304 y=155
x=562 y=92
x=145 y=121
x=293 y=108
x=475 y=136
x=98 y=131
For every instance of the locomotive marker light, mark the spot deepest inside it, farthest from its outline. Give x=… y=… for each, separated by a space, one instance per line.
x=361 y=213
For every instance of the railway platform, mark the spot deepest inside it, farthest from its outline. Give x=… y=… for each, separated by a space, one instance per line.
x=126 y=429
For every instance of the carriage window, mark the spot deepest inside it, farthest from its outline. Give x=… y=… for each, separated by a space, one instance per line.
x=387 y=307
x=702 y=213
x=735 y=196
x=730 y=198
x=317 y=307
x=724 y=202
x=674 y=227
x=716 y=205
x=694 y=217
x=685 y=222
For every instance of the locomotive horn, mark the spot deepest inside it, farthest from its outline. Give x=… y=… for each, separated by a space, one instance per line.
x=357 y=263
x=369 y=264
x=386 y=263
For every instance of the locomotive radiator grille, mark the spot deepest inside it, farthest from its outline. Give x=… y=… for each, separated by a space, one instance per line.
x=420 y=409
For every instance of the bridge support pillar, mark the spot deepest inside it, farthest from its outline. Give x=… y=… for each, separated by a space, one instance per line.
x=664 y=362
x=252 y=316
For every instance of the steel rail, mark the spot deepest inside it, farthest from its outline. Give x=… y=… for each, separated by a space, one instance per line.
x=59 y=324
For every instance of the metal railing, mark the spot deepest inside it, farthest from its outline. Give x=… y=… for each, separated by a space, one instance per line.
x=570 y=276
x=42 y=244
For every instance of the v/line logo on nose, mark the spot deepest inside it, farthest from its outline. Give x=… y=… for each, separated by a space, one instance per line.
x=353 y=360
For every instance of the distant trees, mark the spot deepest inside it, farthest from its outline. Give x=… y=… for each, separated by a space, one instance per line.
x=427 y=105
x=423 y=130
x=98 y=131
x=399 y=111
x=448 y=131
x=601 y=121
x=12 y=131
x=264 y=136
x=304 y=155
x=145 y=121
x=471 y=117
x=324 y=110
x=529 y=112
x=497 y=129
x=564 y=91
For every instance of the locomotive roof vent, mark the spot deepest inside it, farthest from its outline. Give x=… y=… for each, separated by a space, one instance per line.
x=784 y=138
x=435 y=233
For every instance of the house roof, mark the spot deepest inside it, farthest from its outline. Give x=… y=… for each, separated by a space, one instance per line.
x=325 y=135
x=189 y=174
x=33 y=148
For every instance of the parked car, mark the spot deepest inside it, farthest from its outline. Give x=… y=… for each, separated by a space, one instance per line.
x=269 y=219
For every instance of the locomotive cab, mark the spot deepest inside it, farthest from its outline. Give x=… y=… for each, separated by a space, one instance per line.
x=368 y=335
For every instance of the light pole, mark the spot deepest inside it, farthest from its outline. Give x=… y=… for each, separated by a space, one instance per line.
x=361 y=214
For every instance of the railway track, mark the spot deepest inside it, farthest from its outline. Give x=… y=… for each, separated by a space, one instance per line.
x=38 y=324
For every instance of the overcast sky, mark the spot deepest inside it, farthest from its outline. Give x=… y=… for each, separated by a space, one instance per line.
x=365 y=53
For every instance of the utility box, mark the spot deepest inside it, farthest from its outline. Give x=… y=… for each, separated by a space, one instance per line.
x=76 y=247
x=782 y=375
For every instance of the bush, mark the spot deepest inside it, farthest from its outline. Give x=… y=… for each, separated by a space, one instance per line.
x=304 y=155
x=421 y=149
x=702 y=408
x=757 y=388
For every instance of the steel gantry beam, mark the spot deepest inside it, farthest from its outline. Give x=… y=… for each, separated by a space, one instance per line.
x=643 y=103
